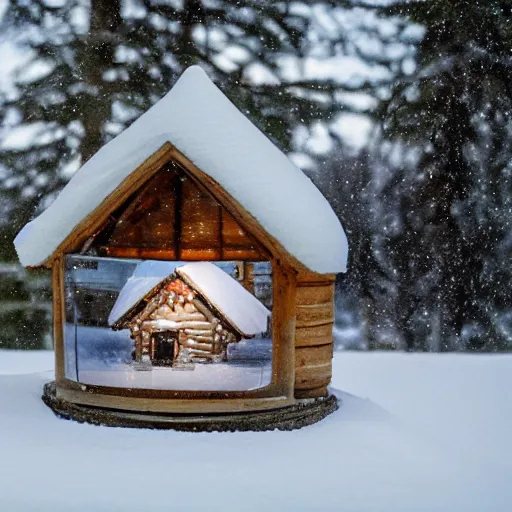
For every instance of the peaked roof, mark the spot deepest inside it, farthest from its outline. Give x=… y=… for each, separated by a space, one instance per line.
x=147 y=276
x=211 y=132
x=244 y=312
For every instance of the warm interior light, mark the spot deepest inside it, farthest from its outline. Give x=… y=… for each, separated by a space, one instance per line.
x=199 y=326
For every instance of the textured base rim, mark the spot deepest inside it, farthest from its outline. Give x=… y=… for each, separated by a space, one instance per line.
x=305 y=412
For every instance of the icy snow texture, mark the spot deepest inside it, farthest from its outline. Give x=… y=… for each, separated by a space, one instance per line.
x=241 y=308
x=417 y=433
x=243 y=311
x=203 y=124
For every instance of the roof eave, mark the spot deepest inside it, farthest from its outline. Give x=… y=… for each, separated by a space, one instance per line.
x=92 y=223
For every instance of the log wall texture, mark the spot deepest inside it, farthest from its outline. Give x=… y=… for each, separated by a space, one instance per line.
x=313 y=335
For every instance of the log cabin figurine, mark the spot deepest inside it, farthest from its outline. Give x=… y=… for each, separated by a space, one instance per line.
x=188 y=316
x=193 y=180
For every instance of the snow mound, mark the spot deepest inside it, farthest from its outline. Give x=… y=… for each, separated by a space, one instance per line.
x=433 y=435
x=205 y=126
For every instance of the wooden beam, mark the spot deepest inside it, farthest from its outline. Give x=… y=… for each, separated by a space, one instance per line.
x=221 y=236
x=94 y=222
x=178 y=221
x=208 y=347
x=59 y=315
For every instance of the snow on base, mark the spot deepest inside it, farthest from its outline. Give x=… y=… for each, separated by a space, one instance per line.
x=202 y=377
x=105 y=359
x=416 y=433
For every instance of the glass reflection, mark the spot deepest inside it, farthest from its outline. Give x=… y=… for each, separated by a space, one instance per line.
x=168 y=325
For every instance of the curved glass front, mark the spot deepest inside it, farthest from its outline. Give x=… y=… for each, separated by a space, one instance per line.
x=202 y=326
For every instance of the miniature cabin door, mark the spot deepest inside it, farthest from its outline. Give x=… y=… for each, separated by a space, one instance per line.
x=164 y=348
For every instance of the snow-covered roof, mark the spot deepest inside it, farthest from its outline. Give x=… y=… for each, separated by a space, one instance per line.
x=210 y=131
x=240 y=308
x=147 y=275
x=244 y=312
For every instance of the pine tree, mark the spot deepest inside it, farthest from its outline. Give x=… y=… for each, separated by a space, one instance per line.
x=346 y=184
x=450 y=257
x=96 y=67
x=95 y=70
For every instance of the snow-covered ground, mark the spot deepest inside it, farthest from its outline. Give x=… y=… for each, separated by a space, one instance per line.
x=105 y=359
x=415 y=433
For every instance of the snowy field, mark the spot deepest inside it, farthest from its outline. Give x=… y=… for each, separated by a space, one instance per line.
x=415 y=433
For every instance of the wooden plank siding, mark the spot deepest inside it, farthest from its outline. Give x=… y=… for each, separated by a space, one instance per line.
x=313 y=335
x=173 y=218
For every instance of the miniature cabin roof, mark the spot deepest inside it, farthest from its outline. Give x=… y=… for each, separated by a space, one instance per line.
x=203 y=124
x=243 y=312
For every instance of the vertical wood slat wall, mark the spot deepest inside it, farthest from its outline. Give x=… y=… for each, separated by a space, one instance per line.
x=173 y=218
x=147 y=222
x=313 y=335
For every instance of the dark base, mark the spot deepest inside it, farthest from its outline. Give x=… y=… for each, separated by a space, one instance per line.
x=305 y=413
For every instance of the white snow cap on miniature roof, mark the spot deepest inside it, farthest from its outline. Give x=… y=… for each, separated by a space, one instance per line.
x=147 y=275
x=241 y=309
x=207 y=128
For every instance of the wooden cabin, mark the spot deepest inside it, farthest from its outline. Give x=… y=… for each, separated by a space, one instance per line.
x=194 y=180
x=188 y=316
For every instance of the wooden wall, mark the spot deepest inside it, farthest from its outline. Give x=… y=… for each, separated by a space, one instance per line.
x=313 y=335
x=174 y=218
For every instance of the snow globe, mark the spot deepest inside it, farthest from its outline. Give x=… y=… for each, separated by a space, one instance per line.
x=193 y=276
